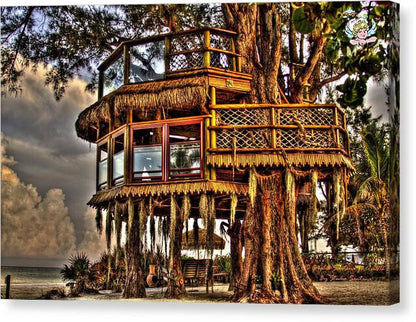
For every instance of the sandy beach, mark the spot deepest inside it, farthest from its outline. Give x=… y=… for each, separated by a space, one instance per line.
x=341 y=293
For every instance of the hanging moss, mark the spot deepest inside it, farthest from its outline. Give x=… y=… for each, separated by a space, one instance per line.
x=203 y=209
x=172 y=227
x=152 y=225
x=117 y=226
x=130 y=210
x=312 y=212
x=210 y=225
x=108 y=227
x=142 y=222
x=233 y=208
x=99 y=221
x=185 y=213
x=336 y=183
x=252 y=185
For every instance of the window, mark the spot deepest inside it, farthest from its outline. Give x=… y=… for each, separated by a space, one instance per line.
x=118 y=159
x=102 y=166
x=167 y=151
x=113 y=76
x=147 y=62
x=184 y=150
x=147 y=153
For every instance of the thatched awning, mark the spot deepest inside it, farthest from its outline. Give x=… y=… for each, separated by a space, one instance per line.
x=190 y=244
x=177 y=94
x=165 y=189
x=294 y=159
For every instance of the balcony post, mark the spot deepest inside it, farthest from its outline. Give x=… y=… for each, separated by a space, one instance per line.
x=167 y=52
x=348 y=140
x=127 y=155
x=109 y=162
x=126 y=64
x=213 y=134
x=207 y=43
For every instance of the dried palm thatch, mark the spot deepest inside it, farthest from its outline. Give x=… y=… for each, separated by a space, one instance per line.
x=177 y=94
x=191 y=244
x=289 y=159
x=101 y=198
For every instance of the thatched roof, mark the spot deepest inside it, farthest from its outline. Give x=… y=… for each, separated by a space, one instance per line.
x=177 y=94
x=294 y=159
x=219 y=243
x=166 y=188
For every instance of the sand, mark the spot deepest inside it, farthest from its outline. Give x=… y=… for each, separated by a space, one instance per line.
x=341 y=293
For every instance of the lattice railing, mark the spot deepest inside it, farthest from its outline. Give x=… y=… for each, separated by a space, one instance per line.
x=247 y=127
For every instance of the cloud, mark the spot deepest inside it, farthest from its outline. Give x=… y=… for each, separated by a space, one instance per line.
x=39 y=227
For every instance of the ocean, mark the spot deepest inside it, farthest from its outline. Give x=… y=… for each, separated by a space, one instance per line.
x=30 y=282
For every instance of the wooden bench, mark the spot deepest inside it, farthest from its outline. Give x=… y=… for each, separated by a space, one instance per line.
x=198 y=270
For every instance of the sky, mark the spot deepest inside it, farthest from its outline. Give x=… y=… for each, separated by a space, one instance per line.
x=48 y=173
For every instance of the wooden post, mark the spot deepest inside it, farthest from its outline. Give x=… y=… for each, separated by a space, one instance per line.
x=7 y=281
x=213 y=134
x=207 y=42
x=127 y=155
x=109 y=162
x=126 y=64
x=167 y=52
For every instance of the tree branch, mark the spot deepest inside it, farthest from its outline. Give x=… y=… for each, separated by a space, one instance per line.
x=330 y=79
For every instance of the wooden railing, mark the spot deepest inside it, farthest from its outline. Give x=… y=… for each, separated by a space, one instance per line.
x=156 y=57
x=258 y=128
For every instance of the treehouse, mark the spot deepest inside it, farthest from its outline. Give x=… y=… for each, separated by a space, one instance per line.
x=173 y=119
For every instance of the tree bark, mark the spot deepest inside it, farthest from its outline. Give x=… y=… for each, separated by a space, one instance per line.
x=135 y=284
x=236 y=250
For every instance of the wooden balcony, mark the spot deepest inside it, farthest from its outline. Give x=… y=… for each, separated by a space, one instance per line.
x=169 y=56
x=265 y=131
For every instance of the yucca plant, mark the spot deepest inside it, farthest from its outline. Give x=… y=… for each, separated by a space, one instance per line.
x=78 y=271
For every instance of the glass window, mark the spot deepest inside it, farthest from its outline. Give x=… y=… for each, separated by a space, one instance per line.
x=147 y=62
x=147 y=154
x=113 y=76
x=185 y=150
x=118 y=159
x=102 y=165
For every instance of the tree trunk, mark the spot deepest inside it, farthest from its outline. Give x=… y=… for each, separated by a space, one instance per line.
x=236 y=249
x=176 y=286
x=135 y=284
x=260 y=45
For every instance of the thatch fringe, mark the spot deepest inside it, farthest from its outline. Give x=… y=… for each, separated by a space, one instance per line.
x=172 y=228
x=130 y=211
x=101 y=198
x=117 y=231
x=290 y=159
x=178 y=94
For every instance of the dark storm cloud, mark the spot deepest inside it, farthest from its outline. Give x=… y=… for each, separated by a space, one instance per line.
x=46 y=151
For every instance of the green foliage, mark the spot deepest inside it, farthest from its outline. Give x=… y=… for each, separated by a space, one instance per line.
x=302 y=22
x=78 y=271
x=223 y=263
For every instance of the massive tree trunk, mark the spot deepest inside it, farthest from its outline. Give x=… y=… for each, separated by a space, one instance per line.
x=135 y=284
x=236 y=249
x=176 y=286
x=273 y=216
